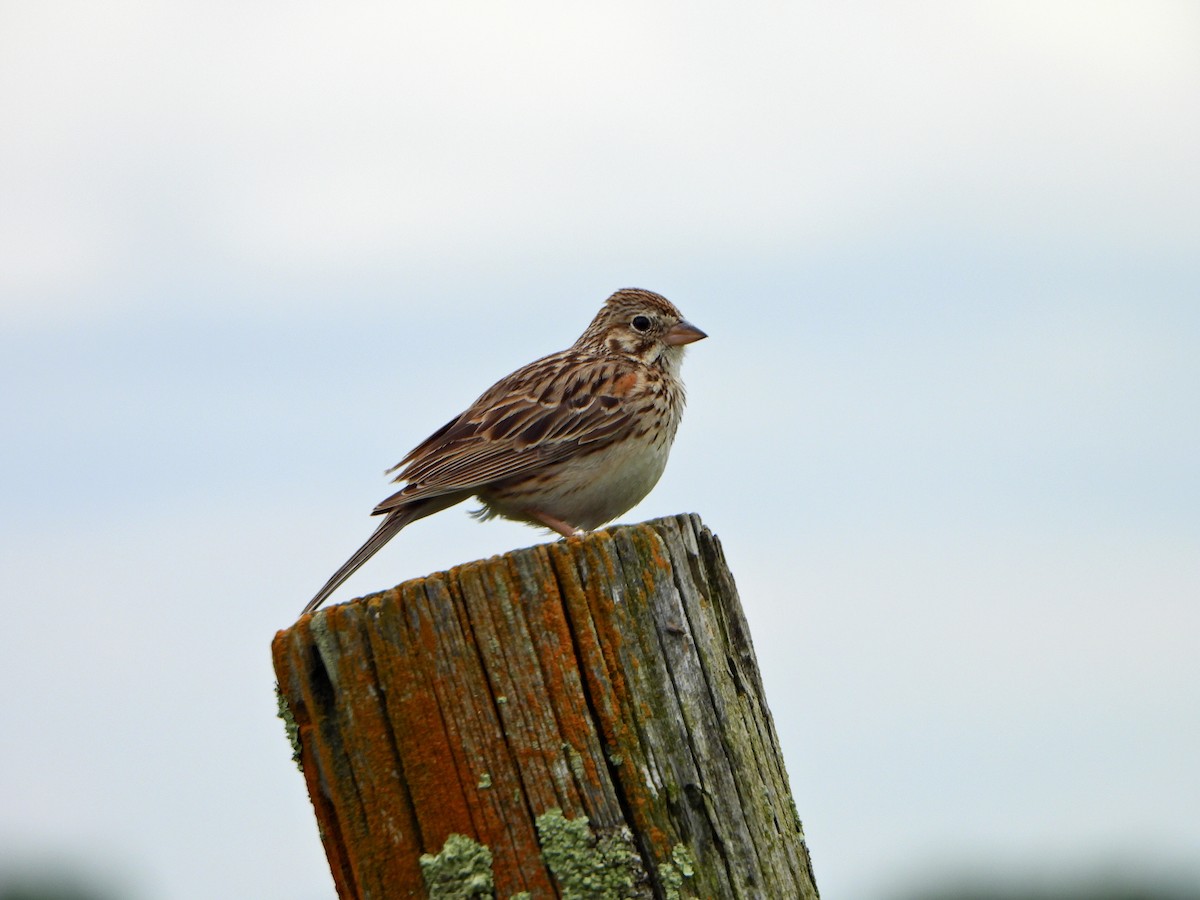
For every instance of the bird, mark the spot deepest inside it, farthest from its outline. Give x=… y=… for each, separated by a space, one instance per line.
x=567 y=442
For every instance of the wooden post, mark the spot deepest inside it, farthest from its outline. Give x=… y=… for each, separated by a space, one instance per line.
x=581 y=719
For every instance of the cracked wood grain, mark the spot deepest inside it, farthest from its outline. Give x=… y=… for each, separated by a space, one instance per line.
x=610 y=677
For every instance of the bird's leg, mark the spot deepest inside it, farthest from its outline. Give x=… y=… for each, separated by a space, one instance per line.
x=554 y=524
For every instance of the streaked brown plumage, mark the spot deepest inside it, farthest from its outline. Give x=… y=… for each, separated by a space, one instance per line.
x=568 y=442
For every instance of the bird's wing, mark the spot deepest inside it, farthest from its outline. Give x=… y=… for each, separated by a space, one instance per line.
x=537 y=415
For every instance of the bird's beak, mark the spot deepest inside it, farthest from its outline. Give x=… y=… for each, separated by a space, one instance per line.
x=683 y=332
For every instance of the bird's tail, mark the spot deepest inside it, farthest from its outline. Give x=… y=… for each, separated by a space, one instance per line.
x=387 y=530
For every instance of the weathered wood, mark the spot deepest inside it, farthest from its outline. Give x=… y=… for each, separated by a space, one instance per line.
x=587 y=716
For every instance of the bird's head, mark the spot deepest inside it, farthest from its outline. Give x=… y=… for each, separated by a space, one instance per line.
x=641 y=324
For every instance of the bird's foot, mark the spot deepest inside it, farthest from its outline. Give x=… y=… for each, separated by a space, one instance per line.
x=555 y=524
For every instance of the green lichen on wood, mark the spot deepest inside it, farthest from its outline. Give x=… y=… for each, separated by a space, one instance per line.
x=289 y=724
x=681 y=866
x=683 y=859
x=462 y=870
x=796 y=817
x=575 y=761
x=587 y=866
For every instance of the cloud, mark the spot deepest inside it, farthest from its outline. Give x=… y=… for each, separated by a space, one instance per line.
x=262 y=140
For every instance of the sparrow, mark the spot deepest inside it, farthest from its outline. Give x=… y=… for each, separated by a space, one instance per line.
x=568 y=442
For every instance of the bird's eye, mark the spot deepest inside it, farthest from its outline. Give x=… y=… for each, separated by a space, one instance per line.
x=641 y=323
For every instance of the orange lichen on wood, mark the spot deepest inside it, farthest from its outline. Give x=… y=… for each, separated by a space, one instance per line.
x=607 y=677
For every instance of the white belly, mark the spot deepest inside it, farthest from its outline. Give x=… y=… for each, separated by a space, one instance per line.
x=595 y=488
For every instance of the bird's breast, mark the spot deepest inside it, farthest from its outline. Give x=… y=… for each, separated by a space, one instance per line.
x=591 y=488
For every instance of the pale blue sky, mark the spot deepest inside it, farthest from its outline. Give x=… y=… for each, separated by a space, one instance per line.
x=946 y=423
